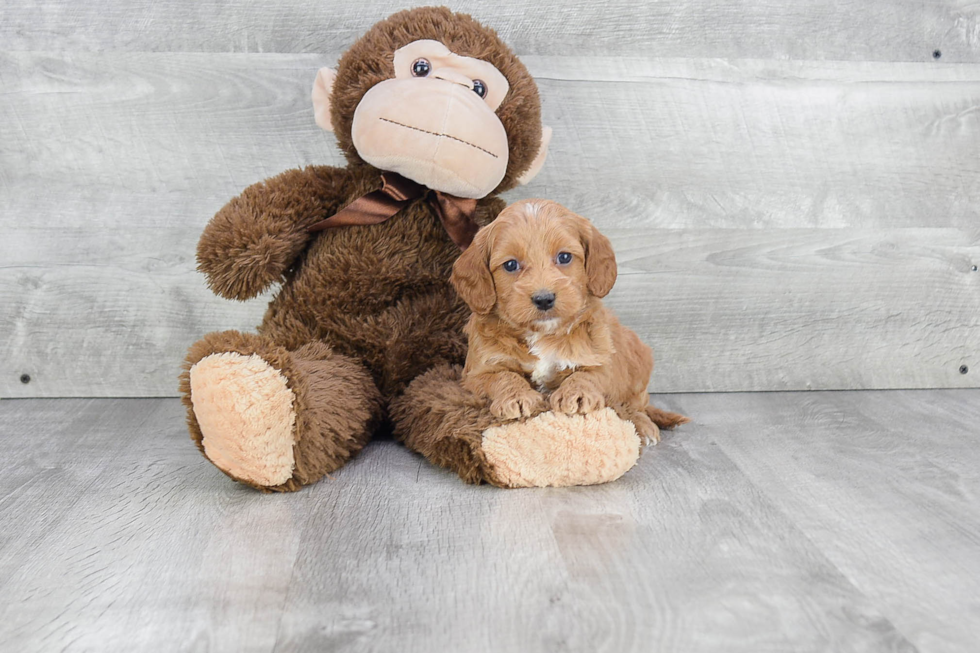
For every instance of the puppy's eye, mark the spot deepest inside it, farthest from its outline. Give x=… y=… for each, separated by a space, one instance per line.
x=421 y=67
x=564 y=258
x=511 y=265
x=479 y=88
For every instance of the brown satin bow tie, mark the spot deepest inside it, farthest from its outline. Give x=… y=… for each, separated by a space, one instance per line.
x=455 y=213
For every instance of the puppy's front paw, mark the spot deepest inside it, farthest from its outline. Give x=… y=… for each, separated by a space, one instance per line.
x=515 y=406
x=574 y=398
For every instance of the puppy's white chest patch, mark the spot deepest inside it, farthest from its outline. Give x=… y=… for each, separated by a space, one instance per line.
x=548 y=364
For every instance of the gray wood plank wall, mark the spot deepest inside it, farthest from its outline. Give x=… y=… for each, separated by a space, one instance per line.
x=793 y=188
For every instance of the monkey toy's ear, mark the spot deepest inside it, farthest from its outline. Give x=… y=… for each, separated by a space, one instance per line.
x=322 y=88
x=532 y=172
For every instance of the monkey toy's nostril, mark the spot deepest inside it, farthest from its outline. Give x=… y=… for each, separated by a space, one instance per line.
x=543 y=299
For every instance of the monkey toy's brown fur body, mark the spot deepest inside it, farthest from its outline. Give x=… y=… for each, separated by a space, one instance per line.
x=362 y=310
x=379 y=293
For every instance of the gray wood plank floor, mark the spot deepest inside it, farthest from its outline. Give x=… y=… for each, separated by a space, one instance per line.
x=825 y=521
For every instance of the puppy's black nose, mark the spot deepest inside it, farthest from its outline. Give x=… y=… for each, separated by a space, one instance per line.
x=543 y=299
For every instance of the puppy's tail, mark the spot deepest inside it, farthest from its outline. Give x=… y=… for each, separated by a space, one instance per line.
x=665 y=419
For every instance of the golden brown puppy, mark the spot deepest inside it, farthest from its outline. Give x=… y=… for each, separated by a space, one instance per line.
x=539 y=335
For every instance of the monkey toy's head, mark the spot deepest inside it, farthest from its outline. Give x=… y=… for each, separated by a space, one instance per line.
x=437 y=98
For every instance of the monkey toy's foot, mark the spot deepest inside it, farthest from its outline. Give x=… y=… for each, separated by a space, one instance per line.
x=453 y=428
x=245 y=410
x=274 y=419
x=556 y=449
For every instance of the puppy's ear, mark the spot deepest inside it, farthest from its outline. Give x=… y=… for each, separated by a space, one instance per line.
x=600 y=261
x=471 y=275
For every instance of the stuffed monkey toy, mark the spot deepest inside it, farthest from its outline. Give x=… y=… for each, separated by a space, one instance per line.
x=436 y=117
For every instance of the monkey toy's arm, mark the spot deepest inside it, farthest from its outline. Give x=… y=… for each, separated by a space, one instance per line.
x=254 y=239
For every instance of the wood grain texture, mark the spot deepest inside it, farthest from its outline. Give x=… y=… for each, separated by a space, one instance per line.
x=840 y=175
x=774 y=522
x=885 y=484
x=877 y=30
x=723 y=310
x=762 y=144
x=805 y=309
x=116 y=538
x=743 y=144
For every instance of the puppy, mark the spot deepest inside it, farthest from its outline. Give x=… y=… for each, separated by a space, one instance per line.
x=539 y=336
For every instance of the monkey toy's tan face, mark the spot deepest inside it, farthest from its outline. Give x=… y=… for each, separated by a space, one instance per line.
x=434 y=121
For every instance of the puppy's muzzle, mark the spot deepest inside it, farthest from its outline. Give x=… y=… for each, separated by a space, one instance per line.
x=544 y=300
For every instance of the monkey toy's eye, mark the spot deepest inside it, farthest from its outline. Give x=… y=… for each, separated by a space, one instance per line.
x=511 y=265
x=479 y=88
x=564 y=258
x=421 y=67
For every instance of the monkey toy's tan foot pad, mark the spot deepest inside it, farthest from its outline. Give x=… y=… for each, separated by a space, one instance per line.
x=246 y=414
x=558 y=450
x=454 y=429
x=276 y=419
